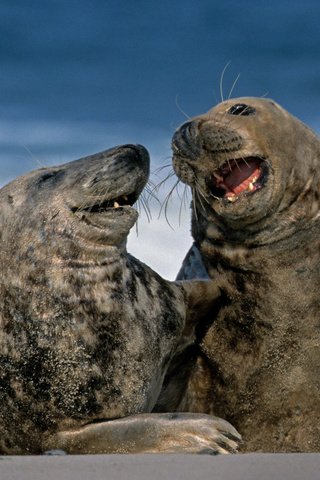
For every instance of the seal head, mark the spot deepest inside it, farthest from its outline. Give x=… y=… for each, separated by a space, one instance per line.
x=247 y=160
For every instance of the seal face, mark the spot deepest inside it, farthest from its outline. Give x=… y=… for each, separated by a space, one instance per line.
x=88 y=331
x=254 y=173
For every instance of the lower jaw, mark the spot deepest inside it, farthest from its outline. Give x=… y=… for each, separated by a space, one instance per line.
x=233 y=197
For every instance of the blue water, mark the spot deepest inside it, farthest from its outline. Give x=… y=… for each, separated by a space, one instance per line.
x=79 y=76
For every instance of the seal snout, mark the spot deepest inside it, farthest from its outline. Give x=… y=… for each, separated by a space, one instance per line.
x=232 y=170
x=200 y=137
x=105 y=187
x=114 y=178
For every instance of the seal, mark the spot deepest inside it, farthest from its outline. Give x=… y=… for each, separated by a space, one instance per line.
x=254 y=171
x=88 y=331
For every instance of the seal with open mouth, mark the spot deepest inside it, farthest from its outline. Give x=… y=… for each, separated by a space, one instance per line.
x=86 y=330
x=254 y=171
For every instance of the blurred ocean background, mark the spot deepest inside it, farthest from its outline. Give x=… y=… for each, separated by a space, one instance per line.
x=80 y=76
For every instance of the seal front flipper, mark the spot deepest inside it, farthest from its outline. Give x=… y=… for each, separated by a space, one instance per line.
x=150 y=433
x=187 y=386
x=192 y=266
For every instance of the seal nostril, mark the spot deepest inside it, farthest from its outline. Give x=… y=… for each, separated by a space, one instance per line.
x=140 y=149
x=186 y=141
x=186 y=133
x=136 y=150
x=188 y=130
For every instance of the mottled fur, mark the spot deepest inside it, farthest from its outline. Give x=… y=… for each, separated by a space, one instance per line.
x=260 y=356
x=86 y=330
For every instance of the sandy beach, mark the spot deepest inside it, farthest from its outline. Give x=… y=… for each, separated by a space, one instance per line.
x=160 y=467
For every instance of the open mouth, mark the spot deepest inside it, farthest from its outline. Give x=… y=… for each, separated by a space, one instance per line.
x=114 y=203
x=237 y=177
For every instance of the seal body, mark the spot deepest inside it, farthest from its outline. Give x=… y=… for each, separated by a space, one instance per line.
x=254 y=171
x=88 y=331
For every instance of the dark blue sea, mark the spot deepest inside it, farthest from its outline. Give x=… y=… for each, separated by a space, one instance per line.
x=80 y=76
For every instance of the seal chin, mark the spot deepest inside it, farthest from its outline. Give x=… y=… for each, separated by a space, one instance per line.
x=112 y=218
x=110 y=227
x=238 y=178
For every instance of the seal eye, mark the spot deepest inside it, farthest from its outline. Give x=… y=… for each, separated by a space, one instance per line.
x=241 y=109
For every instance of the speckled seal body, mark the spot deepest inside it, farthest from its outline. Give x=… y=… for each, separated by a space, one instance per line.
x=86 y=330
x=254 y=171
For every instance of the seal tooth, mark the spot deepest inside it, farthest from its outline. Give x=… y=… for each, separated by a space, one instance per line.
x=116 y=205
x=232 y=197
x=250 y=186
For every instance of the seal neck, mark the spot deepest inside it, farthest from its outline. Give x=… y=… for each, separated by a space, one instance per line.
x=290 y=225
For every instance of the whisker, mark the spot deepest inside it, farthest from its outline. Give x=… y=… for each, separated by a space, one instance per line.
x=160 y=184
x=199 y=198
x=179 y=108
x=145 y=201
x=34 y=158
x=168 y=197
x=221 y=80
x=200 y=192
x=245 y=161
x=194 y=204
x=237 y=164
x=141 y=203
x=233 y=85
x=159 y=169
x=215 y=197
x=165 y=204
x=183 y=202
x=266 y=161
x=150 y=189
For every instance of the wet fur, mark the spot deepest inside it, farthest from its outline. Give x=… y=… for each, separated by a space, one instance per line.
x=259 y=359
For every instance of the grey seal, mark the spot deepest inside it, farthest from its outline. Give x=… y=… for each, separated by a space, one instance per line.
x=254 y=171
x=86 y=330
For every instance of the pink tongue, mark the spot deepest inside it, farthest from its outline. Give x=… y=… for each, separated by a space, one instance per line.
x=237 y=175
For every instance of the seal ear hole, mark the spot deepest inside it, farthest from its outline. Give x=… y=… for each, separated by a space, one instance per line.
x=241 y=109
x=53 y=175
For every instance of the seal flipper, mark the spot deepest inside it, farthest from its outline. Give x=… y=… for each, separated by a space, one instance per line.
x=187 y=386
x=192 y=266
x=150 y=433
